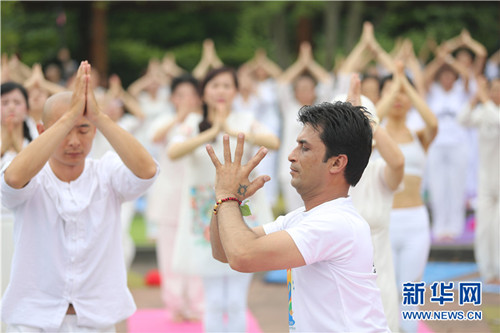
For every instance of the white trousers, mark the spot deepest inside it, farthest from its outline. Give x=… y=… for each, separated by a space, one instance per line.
x=447 y=181
x=182 y=294
x=68 y=325
x=226 y=296
x=411 y=243
x=487 y=234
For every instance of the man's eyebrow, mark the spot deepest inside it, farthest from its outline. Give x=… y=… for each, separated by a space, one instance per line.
x=302 y=141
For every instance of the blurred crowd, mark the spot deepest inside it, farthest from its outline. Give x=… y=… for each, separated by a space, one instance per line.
x=447 y=97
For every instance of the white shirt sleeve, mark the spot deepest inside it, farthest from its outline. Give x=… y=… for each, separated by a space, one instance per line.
x=12 y=197
x=124 y=182
x=275 y=226
x=324 y=239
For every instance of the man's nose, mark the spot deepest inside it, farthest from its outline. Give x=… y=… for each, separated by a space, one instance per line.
x=291 y=156
x=73 y=139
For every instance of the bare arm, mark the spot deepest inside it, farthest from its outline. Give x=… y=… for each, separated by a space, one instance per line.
x=180 y=149
x=358 y=58
x=31 y=159
x=427 y=134
x=38 y=79
x=292 y=72
x=131 y=152
x=268 y=140
x=267 y=64
x=478 y=49
x=209 y=59
x=381 y=55
x=116 y=91
x=139 y=85
x=246 y=250
x=392 y=155
x=387 y=99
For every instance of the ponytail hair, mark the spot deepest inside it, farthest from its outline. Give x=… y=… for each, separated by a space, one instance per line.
x=26 y=132
x=204 y=124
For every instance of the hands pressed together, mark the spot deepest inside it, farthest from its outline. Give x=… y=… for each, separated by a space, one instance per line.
x=83 y=101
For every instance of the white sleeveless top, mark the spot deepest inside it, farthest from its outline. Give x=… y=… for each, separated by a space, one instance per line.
x=415 y=156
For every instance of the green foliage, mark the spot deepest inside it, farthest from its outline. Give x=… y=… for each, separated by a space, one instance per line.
x=140 y=30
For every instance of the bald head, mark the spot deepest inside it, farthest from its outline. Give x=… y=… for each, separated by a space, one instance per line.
x=55 y=106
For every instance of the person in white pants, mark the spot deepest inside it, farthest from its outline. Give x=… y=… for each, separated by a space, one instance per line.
x=409 y=226
x=483 y=112
x=450 y=152
x=373 y=196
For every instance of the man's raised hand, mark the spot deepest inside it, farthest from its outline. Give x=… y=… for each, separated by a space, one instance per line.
x=231 y=177
x=78 y=99
x=92 y=110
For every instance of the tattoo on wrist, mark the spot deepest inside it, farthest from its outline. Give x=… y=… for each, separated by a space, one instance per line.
x=242 y=190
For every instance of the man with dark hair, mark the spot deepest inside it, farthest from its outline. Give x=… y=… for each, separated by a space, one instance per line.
x=326 y=244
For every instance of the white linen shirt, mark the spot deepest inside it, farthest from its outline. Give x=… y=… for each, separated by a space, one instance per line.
x=68 y=248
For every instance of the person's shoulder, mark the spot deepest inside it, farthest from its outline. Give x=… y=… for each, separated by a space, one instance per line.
x=108 y=159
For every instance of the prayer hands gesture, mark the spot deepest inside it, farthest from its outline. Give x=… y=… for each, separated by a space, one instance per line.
x=83 y=101
x=231 y=178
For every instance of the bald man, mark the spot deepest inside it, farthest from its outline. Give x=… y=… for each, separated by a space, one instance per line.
x=68 y=270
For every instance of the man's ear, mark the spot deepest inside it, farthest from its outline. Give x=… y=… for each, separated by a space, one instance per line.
x=40 y=128
x=338 y=163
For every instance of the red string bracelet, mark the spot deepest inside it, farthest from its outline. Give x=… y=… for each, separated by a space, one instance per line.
x=217 y=204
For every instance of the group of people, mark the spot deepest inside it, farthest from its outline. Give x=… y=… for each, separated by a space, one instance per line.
x=351 y=168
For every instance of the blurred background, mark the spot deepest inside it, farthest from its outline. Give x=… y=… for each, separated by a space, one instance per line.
x=122 y=36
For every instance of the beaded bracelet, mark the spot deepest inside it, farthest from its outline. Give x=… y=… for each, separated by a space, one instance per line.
x=217 y=204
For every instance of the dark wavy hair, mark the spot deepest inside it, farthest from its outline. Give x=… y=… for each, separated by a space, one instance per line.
x=9 y=86
x=344 y=129
x=205 y=124
x=184 y=78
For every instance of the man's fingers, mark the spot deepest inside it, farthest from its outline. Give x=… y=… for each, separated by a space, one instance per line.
x=239 y=148
x=257 y=184
x=227 y=149
x=213 y=157
x=261 y=153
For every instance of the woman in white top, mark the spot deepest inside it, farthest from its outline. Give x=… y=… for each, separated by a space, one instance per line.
x=181 y=294
x=448 y=83
x=225 y=290
x=409 y=228
x=373 y=196
x=15 y=136
x=483 y=112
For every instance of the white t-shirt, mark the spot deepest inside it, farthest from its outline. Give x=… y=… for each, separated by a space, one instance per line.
x=68 y=247
x=446 y=105
x=335 y=291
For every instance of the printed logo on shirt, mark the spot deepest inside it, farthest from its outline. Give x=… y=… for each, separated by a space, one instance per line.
x=289 y=282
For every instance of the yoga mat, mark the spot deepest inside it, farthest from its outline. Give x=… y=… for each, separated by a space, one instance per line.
x=158 y=320
x=423 y=328
x=447 y=271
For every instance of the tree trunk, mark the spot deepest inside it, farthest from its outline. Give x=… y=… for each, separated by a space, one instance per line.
x=354 y=24
x=332 y=14
x=280 y=37
x=99 y=39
